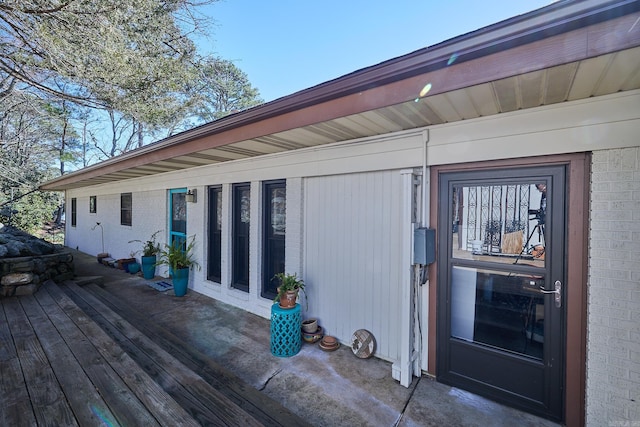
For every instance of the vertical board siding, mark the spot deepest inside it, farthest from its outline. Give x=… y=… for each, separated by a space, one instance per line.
x=352 y=258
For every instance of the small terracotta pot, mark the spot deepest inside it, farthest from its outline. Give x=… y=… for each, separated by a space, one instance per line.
x=288 y=300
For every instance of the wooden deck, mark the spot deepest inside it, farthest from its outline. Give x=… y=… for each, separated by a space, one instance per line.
x=67 y=358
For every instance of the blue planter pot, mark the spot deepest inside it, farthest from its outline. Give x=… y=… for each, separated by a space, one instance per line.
x=133 y=268
x=149 y=267
x=180 y=281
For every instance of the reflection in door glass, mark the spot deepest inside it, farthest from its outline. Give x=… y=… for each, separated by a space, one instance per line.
x=179 y=213
x=500 y=223
x=503 y=310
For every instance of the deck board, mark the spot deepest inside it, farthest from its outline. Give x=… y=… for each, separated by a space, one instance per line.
x=88 y=406
x=260 y=406
x=16 y=409
x=44 y=393
x=13 y=389
x=67 y=358
x=164 y=409
x=7 y=347
x=202 y=401
x=126 y=407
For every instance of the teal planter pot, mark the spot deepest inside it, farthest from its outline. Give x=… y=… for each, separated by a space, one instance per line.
x=180 y=281
x=133 y=268
x=148 y=267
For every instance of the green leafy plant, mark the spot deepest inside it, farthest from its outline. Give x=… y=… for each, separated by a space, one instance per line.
x=177 y=255
x=288 y=282
x=150 y=248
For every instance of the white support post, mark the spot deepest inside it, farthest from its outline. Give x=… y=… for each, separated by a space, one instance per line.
x=407 y=313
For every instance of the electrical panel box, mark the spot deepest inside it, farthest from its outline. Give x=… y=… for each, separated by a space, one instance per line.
x=424 y=246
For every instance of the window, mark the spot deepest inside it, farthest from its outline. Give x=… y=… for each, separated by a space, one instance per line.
x=274 y=228
x=215 y=234
x=241 y=218
x=93 y=204
x=74 y=216
x=126 y=208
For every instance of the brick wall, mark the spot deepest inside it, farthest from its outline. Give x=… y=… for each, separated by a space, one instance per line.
x=613 y=338
x=149 y=215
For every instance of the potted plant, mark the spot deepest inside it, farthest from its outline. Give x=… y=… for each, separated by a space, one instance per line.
x=290 y=285
x=178 y=256
x=150 y=250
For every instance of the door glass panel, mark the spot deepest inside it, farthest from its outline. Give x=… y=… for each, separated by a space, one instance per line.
x=178 y=213
x=241 y=220
x=500 y=223
x=275 y=218
x=502 y=310
x=215 y=234
x=278 y=210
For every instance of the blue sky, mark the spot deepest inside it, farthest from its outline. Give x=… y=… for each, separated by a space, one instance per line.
x=287 y=46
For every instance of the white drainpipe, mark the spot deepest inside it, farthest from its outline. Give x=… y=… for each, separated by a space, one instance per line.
x=403 y=370
x=422 y=306
x=414 y=298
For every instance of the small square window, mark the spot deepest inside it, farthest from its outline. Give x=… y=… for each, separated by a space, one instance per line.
x=126 y=208
x=93 y=204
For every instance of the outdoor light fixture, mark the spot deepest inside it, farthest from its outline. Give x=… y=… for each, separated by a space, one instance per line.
x=191 y=196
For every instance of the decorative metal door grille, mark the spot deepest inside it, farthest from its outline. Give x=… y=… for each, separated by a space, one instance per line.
x=493 y=211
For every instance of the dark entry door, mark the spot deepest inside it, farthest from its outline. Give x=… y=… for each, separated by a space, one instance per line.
x=501 y=322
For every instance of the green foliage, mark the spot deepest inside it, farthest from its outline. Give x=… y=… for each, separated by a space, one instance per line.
x=179 y=254
x=85 y=80
x=151 y=247
x=31 y=211
x=98 y=52
x=288 y=282
x=223 y=89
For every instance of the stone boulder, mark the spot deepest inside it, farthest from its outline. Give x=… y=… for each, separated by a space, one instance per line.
x=26 y=262
x=17 y=243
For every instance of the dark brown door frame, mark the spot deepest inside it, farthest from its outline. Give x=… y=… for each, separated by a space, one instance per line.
x=578 y=172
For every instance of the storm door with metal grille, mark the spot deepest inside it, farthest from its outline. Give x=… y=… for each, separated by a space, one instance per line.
x=501 y=270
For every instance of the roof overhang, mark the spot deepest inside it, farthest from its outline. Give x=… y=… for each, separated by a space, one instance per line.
x=563 y=52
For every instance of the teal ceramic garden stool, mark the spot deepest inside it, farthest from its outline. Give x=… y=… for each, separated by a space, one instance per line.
x=286 y=337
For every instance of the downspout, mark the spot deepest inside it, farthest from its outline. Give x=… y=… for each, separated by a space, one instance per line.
x=415 y=212
x=403 y=369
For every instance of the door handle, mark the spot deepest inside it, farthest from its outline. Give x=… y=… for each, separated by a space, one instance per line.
x=557 y=291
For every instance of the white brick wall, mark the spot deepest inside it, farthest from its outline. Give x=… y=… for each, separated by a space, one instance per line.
x=149 y=215
x=613 y=337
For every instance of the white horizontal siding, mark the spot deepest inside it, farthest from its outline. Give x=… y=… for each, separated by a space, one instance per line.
x=352 y=255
